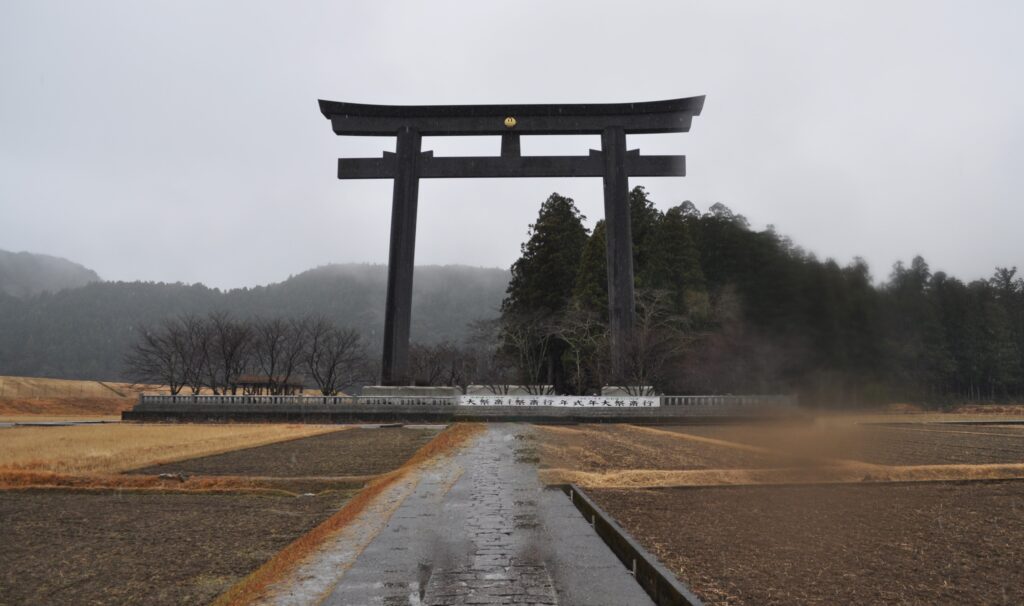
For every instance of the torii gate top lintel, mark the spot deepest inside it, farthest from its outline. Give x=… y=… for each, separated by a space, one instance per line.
x=669 y=116
x=408 y=164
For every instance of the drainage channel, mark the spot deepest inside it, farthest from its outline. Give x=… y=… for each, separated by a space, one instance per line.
x=659 y=583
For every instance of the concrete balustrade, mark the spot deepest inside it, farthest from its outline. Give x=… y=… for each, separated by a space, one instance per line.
x=442 y=409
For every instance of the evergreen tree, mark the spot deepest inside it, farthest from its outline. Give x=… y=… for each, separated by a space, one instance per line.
x=644 y=220
x=543 y=277
x=591 y=289
x=673 y=264
x=541 y=289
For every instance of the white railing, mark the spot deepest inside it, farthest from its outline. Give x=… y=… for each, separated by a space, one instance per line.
x=772 y=401
x=685 y=402
x=297 y=401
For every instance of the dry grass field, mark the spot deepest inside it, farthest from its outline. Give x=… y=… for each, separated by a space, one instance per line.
x=38 y=399
x=35 y=387
x=100 y=449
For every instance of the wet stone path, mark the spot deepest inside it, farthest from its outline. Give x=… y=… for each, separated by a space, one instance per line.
x=482 y=530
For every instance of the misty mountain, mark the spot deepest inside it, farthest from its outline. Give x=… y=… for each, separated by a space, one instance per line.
x=25 y=274
x=84 y=332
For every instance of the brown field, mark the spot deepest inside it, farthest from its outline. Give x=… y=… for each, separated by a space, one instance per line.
x=608 y=448
x=94 y=536
x=111 y=448
x=358 y=452
x=917 y=444
x=118 y=548
x=839 y=544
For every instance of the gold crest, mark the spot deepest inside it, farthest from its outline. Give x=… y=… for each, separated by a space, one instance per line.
x=510 y=122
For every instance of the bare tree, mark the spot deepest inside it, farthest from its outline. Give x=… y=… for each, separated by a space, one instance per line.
x=195 y=345
x=656 y=344
x=157 y=357
x=528 y=338
x=490 y=365
x=277 y=349
x=230 y=345
x=444 y=363
x=587 y=340
x=335 y=357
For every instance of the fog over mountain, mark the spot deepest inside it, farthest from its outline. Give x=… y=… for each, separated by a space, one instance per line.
x=84 y=332
x=24 y=274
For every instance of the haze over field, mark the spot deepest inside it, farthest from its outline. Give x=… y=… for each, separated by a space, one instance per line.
x=182 y=141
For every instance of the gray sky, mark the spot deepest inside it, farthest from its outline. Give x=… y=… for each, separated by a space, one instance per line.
x=182 y=140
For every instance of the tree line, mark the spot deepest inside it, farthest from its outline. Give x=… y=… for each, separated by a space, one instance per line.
x=84 y=333
x=216 y=351
x=722 y=308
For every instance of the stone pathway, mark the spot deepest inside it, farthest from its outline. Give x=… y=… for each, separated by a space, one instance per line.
x=481 y=529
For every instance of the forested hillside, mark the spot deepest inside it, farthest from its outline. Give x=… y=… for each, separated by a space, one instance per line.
x=25 y=274
x=85 y=332
x=724 y=308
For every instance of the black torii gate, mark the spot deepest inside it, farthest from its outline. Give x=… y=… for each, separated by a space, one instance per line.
x=614 y=163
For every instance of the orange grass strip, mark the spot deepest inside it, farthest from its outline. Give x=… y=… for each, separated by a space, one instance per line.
x=16 y=479
x=252 y=587
x=657 y=478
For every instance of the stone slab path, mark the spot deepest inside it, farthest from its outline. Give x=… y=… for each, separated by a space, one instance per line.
x=479 y=529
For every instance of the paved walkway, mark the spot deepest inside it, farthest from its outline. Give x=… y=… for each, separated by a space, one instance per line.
x=482 y=530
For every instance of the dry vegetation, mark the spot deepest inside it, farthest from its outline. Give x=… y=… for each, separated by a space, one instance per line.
x=99 y=449
x=34 y=387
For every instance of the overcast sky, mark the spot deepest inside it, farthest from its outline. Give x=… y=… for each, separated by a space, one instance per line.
x=181 y=141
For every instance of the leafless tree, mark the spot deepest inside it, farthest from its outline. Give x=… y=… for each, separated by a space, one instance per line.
x=444 y=363
x=528 y=338
x=195 y=345
x=335 y=357
x=157 y=357
x=490 y=364
x=230 y=345
x=586 y=357
x=277 y=349
x=656 y=344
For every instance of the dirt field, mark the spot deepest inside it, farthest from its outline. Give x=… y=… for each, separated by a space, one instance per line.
x=119 y=447
x=613 y=447
x=896 y=543
x=124 y=548
x=919 y=444
x=356 y=452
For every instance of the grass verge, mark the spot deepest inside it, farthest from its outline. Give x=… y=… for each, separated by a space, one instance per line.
x=654 y=478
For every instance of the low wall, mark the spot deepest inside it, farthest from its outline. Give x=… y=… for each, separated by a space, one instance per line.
x=370 y=409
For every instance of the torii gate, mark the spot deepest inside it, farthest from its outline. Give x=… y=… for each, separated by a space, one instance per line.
x=614 y=163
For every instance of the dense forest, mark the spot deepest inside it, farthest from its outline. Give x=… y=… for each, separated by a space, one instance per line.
x=723 y=308
x=86 y=332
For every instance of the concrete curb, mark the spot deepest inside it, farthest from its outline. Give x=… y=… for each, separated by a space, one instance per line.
x=660 y=584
